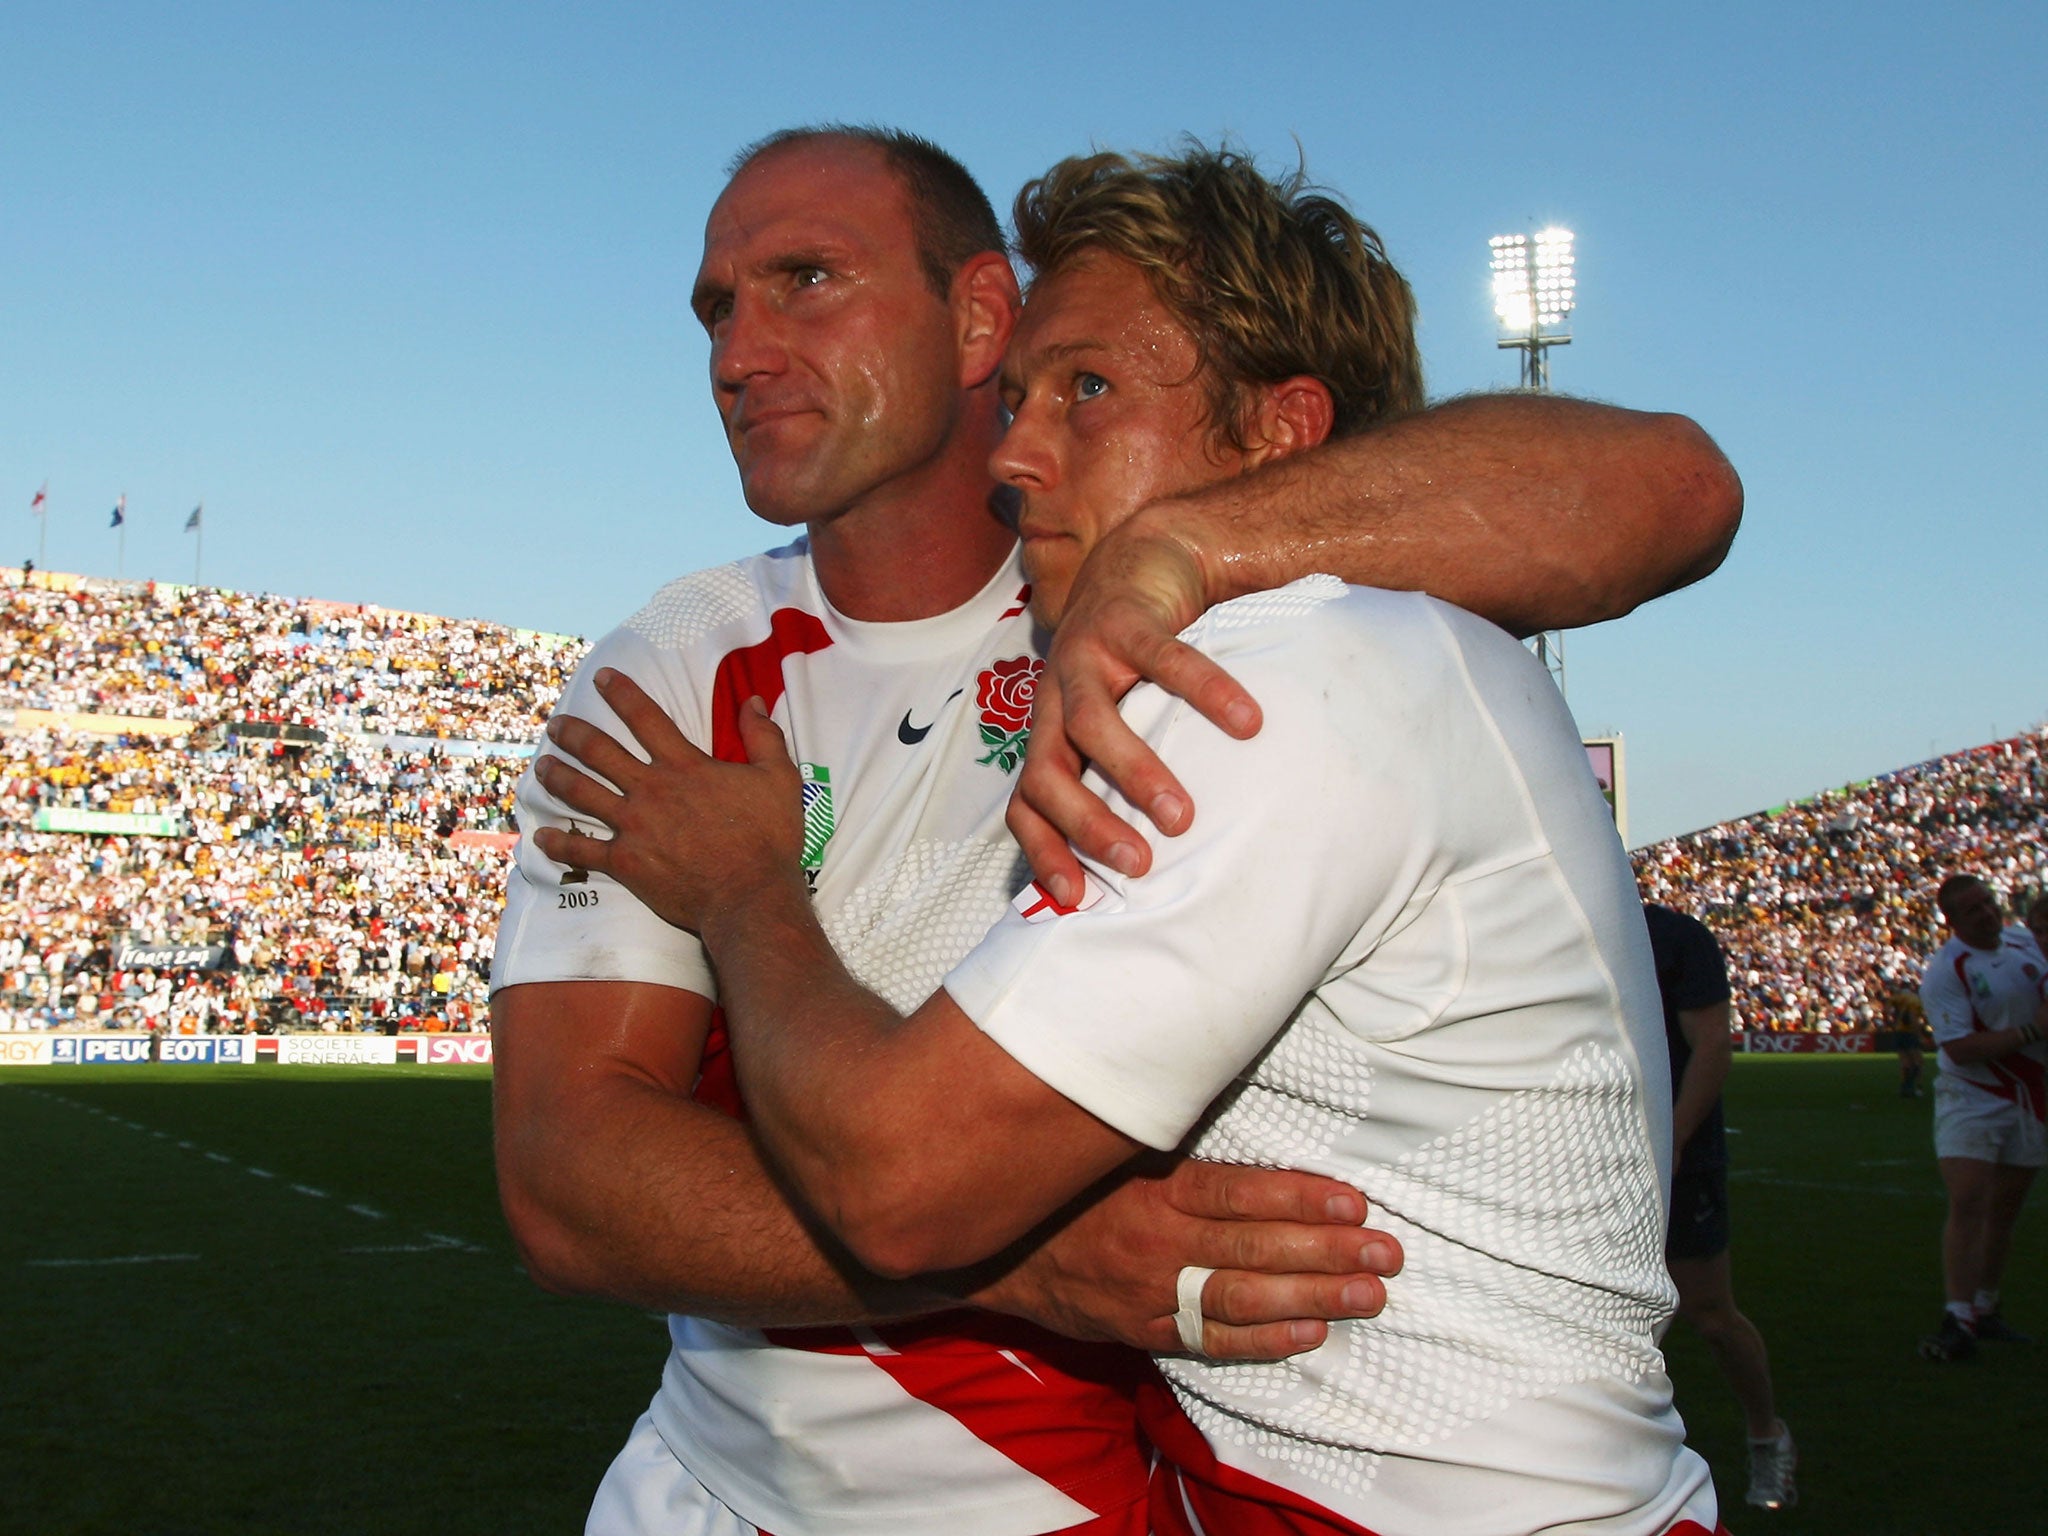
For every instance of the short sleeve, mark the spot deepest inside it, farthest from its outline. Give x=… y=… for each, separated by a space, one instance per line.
x=1700 y=979
x=1307 y=843
x=568 y=925
x=1946 y=999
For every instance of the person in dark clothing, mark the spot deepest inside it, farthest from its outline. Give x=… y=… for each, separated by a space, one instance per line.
x=1698 y=1016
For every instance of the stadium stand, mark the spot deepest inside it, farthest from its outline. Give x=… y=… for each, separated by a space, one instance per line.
x=1826 y=908
x=221 y=811
x=230 y=812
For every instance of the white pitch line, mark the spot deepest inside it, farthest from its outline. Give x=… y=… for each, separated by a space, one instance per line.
x=307 y=1189
x=218 y=1157
x=1744 y=1177
x=126 y=1258
x=368 y=1210
x=262 y=1173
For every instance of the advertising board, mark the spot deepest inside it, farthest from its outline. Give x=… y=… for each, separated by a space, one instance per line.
x=452 y=1050
x=336 y=1050
x=1804 y=1043
x=99 y=1050
x=24 y=1050
x=219 y=1049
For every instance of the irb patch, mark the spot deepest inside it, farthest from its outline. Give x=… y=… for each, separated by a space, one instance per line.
x=818 y=825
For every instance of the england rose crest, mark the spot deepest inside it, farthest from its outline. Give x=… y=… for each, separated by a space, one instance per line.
x=1005 y=693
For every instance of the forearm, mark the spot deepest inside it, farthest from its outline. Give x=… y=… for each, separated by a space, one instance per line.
x=1689 y=1110
x=1538 y=512
x=670 y=1206
x=1996 y=1044
x=815 y=1095
x=1708 y=1033
x=616 y=1183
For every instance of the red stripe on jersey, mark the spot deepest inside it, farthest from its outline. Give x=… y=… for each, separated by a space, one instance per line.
x=1194 y=1494
x=755 y=671
x=748 y=672
x=1023 y=601
x=718 y=1084
x=1063 y=1411
x=2021 y=1079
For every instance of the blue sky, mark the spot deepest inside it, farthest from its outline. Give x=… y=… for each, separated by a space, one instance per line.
x=399 y=291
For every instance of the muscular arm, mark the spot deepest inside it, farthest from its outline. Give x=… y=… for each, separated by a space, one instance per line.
x=1706 y=1030
x=615 y=1183
x=1536 y=511
x=1997 y=1044
x=903 y=1133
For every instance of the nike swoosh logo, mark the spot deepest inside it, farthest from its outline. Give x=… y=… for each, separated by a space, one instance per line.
x=910 y=735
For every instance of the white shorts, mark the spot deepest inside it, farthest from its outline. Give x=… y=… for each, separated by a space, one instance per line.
x=647 y=1492
x=1968 y=1122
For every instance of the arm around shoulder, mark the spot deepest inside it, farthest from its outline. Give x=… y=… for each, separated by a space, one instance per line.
x=1535 y=511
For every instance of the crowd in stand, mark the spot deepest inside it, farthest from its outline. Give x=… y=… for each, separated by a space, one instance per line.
x=1826 y=908
x=339 y=879
x=198 y=653
x=337 y=883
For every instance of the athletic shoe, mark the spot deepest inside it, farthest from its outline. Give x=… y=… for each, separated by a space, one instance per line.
x=1954 y=1342
x=1770 y=1470
x=1992 y=1325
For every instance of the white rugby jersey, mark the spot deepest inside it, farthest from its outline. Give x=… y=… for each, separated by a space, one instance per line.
x=909 y=735
x=1400 y=945
x=1968 y=990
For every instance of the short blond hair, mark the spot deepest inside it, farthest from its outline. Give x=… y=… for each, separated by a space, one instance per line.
x=1273 y=279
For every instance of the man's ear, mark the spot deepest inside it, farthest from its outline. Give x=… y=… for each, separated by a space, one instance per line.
x=985 y=306
x=1286 y=418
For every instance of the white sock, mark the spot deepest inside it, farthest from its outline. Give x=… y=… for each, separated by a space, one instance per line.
x=1986 y=1303
x=1964 y=1313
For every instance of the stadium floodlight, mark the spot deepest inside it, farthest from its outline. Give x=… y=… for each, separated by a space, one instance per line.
x=1534 y=292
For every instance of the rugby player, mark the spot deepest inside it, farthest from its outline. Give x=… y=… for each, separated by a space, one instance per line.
x=1984 y=1000
x=1397 y=943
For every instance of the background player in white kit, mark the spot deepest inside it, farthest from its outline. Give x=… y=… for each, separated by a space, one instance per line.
x=1984 y=1001
x=1402 y=915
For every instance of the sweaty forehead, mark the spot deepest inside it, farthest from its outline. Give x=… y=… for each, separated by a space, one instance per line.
x=1099 y=302
x=810 y=191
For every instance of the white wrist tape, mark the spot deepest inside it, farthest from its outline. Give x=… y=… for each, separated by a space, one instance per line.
x=1187 y=1291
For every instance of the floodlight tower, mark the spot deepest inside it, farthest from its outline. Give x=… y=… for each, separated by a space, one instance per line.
x=1533 y=295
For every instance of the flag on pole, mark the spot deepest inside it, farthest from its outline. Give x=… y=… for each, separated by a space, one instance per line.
x=192 y=522
x=36 y=506
x=120 y=510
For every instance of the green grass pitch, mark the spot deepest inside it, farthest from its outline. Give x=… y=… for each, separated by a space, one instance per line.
x=274 y=1299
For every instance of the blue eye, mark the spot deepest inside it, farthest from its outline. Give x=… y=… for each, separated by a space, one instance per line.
x=808 y=277
x=1088 y=385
